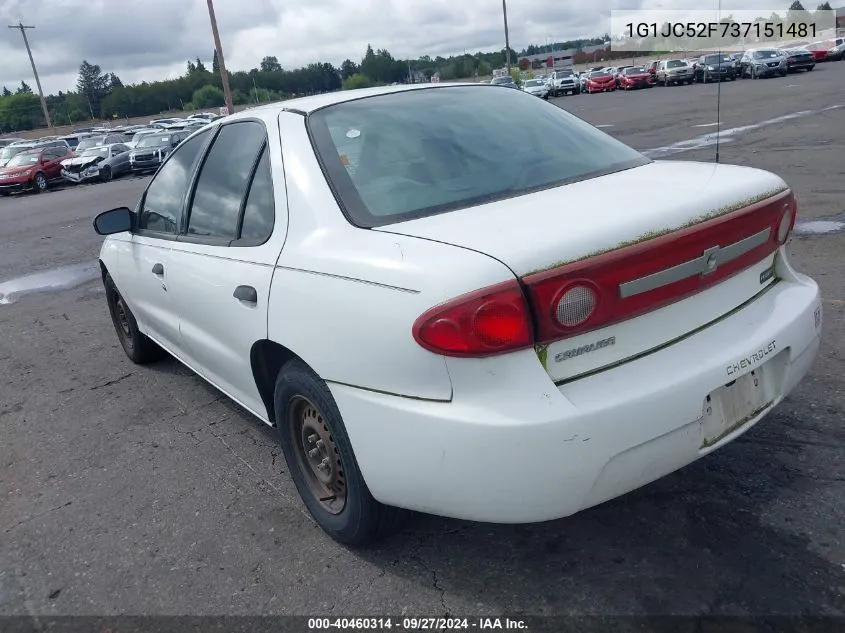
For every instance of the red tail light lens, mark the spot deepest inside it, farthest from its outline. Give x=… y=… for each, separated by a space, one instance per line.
x=628 y=282
x=787 y=222
x=490 y=321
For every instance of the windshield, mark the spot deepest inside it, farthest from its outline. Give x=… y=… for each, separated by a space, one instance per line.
x=502 y=80
x=153 y=140
x=8 y=152
x=23 y=159
x=716 y=59
x=96 y=151
x=86 y=143
x=634 y=71
x=413 y=154
x=599 y=73
x=766 y=54
x=139 y=135
x=533 y=82
x=675 y=63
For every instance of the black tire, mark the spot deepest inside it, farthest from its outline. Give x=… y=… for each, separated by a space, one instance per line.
x=138 y=347
x=810 y=68
x=39 y=183
x=305 y=409
x=105 y=174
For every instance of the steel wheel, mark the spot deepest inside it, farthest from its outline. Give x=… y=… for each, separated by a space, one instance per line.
x=317 y=454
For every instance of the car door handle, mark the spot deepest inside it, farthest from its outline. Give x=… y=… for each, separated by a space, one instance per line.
x=246 y=294
x=158 y=269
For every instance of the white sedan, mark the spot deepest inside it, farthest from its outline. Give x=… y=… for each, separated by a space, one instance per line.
x=460 y=302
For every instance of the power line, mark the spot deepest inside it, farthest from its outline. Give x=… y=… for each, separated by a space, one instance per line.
x=20 y=26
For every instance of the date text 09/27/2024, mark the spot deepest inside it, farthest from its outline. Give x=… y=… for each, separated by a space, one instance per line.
x=416 y=624
x=710 y=30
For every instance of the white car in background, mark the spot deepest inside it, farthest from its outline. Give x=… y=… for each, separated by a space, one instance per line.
x=536 y=87
x=429 y=327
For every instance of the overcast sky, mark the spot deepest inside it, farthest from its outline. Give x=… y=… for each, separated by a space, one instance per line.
x=152 y=39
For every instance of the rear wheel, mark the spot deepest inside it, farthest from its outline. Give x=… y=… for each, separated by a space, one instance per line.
x=138 y=347
x=322 y=463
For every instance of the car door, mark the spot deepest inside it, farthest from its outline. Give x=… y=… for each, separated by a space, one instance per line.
x=221 y=267
x=119 y=159
x=52 y=167
x=144 y=260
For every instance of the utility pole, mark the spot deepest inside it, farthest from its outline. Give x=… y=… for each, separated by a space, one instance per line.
x=507 y=40
x=20 y=26
x=223 y=74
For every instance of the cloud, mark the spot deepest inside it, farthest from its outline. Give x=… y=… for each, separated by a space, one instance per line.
x=152 y=39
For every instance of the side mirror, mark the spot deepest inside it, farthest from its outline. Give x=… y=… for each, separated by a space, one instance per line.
x=114 y=221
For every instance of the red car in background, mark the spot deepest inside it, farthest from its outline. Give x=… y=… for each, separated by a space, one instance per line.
x=819 y=50
x=600 y=81
x=636 y=77
x=33 y=170
x=651 y=68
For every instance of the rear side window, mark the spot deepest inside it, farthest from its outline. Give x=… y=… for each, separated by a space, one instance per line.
x=223 y=181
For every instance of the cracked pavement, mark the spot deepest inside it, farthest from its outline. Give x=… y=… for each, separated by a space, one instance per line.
x=142 y=490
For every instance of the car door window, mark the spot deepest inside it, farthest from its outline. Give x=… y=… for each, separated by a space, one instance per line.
x=161 y=209
x=223 y=181
x=260 y=211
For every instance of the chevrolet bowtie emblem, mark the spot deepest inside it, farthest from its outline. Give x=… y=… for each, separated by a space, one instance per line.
x=710 y=260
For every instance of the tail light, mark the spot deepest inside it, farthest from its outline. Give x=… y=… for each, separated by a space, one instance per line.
x=787 y=222
x=605 y=289
x=631 y=281
x=489 y=321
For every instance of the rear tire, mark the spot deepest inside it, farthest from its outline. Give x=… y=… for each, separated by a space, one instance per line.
x=138 y=347
x=322 y=463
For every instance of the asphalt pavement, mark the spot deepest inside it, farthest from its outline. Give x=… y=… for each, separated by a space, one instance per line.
x=129 y=490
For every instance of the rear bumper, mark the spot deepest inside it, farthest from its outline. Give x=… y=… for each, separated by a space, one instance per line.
x=513 y=448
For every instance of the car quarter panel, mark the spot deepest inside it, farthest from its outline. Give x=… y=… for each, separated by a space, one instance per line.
x=345 y=299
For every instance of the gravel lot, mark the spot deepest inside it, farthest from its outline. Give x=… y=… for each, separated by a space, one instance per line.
x=143 y=491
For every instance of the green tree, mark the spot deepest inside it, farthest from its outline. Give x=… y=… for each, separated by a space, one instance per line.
x=215 y=64
x=24 y=89
x=208 y=97
x=114 y=82
x=93 y=85
x=796 y=6
x=357 y=81
x=270 y=64
x=824 y=6
x=6 y=92
x=348 y=68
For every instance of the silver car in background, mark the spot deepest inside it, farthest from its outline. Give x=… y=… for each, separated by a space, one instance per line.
x=536 y=87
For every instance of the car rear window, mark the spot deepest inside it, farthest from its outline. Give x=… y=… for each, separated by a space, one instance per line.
x=416 y=153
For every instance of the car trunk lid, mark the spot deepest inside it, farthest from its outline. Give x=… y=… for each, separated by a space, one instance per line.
x=654 y=223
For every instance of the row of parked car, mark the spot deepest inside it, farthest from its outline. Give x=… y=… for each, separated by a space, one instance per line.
x=751 y=64
x=92 y=154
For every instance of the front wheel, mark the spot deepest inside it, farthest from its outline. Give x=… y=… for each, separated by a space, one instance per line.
x=322 y=463
x=39 y=183
x=138 y=347
x=105 y=174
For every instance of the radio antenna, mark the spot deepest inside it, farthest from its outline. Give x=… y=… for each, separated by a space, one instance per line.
x=719 y=92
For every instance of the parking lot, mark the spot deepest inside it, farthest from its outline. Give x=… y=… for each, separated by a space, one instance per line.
x=144 y=491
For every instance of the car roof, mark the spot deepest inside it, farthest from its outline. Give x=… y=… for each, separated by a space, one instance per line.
x=308 y=105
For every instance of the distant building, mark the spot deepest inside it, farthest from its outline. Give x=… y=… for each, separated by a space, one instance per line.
x=840 y=18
